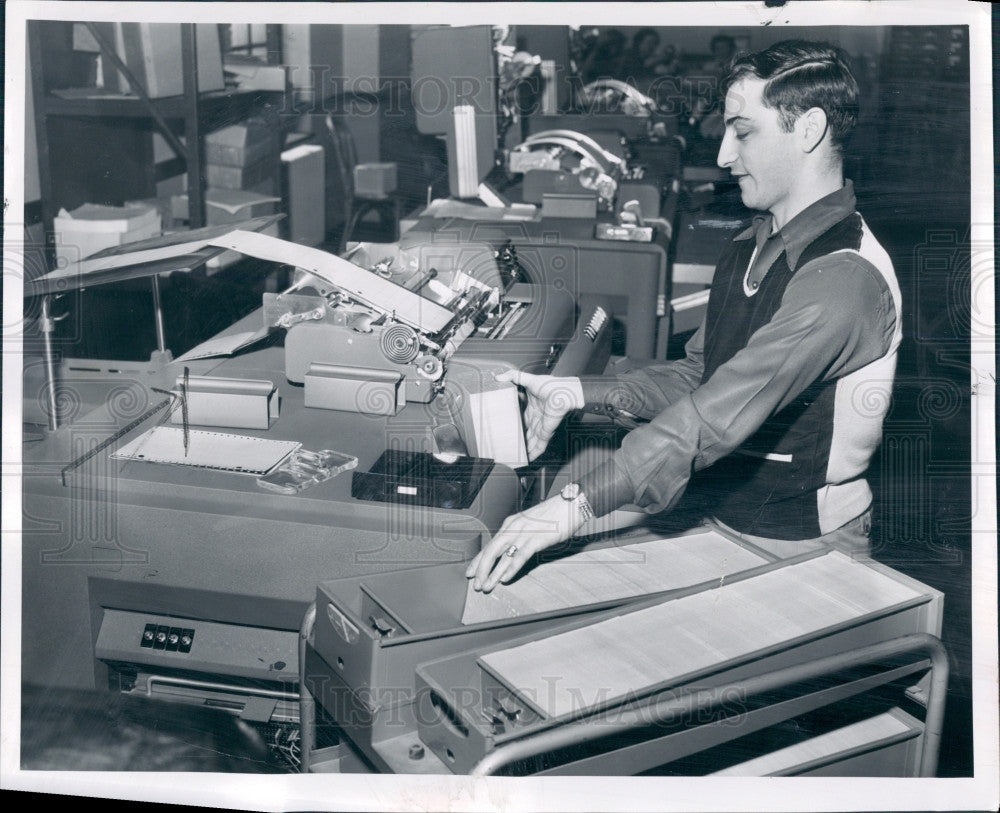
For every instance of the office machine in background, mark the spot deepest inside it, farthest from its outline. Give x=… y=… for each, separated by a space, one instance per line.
x=454 y=73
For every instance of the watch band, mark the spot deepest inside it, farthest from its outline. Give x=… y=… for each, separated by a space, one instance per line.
x=585 y=508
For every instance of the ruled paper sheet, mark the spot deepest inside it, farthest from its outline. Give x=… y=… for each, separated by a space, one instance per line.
x=612 y=573
x=608 y=660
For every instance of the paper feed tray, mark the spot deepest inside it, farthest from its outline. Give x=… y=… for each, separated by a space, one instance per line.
x=782 y=616
x=372 y=632
x=377 y=628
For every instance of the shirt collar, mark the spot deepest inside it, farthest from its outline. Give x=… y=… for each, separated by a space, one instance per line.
x=806 y=226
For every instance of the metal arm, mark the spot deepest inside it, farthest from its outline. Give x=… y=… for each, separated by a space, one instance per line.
x=596 y=728
x=47 y=326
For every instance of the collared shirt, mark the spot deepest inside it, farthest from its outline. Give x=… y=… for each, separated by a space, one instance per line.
x=796 y=234
x=838 y=315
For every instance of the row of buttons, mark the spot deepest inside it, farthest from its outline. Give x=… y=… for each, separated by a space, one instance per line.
x=172 y=639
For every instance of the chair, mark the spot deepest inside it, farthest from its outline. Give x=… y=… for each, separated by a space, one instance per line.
x=366 y=187
x=374 y=184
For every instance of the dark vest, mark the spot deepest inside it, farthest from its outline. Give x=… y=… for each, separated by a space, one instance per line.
x=755 y=494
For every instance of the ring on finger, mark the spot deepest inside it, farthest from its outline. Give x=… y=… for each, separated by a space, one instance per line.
x=510 y=551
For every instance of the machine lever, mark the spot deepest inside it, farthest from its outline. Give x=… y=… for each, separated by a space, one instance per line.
x=502 y=711
x=509 y=708
x=382 y=627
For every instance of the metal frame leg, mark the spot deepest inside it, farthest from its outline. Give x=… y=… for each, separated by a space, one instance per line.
x=307 y=703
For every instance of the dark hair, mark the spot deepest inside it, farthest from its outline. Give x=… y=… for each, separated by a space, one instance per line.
x=800 y=75
x=644 y=33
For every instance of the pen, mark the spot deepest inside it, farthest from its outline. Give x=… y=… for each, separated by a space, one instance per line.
x=184 y=410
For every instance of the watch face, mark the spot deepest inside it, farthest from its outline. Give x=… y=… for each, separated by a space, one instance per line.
x=570 y=491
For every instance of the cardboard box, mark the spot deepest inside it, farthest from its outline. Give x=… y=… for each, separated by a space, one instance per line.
x=108 y=76
x=375 y=180
x=239 y=145
x=304 y=169
x=250 y=73
x=254 y=175
x=153 y=54
x=91 y=228
x=226 y=206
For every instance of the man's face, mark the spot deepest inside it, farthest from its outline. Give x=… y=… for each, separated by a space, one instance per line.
x=765 y=161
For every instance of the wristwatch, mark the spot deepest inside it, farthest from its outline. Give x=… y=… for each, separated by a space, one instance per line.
x=571 y=493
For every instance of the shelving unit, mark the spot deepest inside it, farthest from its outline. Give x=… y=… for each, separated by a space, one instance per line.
x=97 y=146
x=71 y=173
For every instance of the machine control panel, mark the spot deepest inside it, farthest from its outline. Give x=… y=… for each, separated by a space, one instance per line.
x=149 y=641
x=171 y=639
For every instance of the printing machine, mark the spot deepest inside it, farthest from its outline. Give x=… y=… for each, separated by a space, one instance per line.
x=594 y=167
x=580 y=209
x=564 y=252
x=188 y=583
x=331 y=603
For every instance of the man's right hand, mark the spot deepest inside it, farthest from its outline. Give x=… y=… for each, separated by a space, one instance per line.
x=549 y=399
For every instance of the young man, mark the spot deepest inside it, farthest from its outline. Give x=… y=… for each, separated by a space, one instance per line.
x=784 y=386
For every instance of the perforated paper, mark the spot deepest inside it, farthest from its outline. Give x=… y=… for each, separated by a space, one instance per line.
x=241 y=454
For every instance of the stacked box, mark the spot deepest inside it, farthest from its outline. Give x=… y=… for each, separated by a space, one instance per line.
x=374 y=180
x=242 y=156
x=91 y=228
x=152 y=51
x=226 y=206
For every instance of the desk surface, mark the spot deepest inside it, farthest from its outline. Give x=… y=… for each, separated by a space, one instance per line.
x=364 y=436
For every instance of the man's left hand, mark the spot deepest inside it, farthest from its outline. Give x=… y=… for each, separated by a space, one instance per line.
x=522 y=536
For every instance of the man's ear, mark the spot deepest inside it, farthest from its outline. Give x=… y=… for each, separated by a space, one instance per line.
x=812 y=127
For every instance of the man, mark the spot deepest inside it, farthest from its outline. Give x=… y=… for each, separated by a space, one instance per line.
x=784 y=386
x=604 y=60
x=704 y=113
x=641 y=58
x=723 y=48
